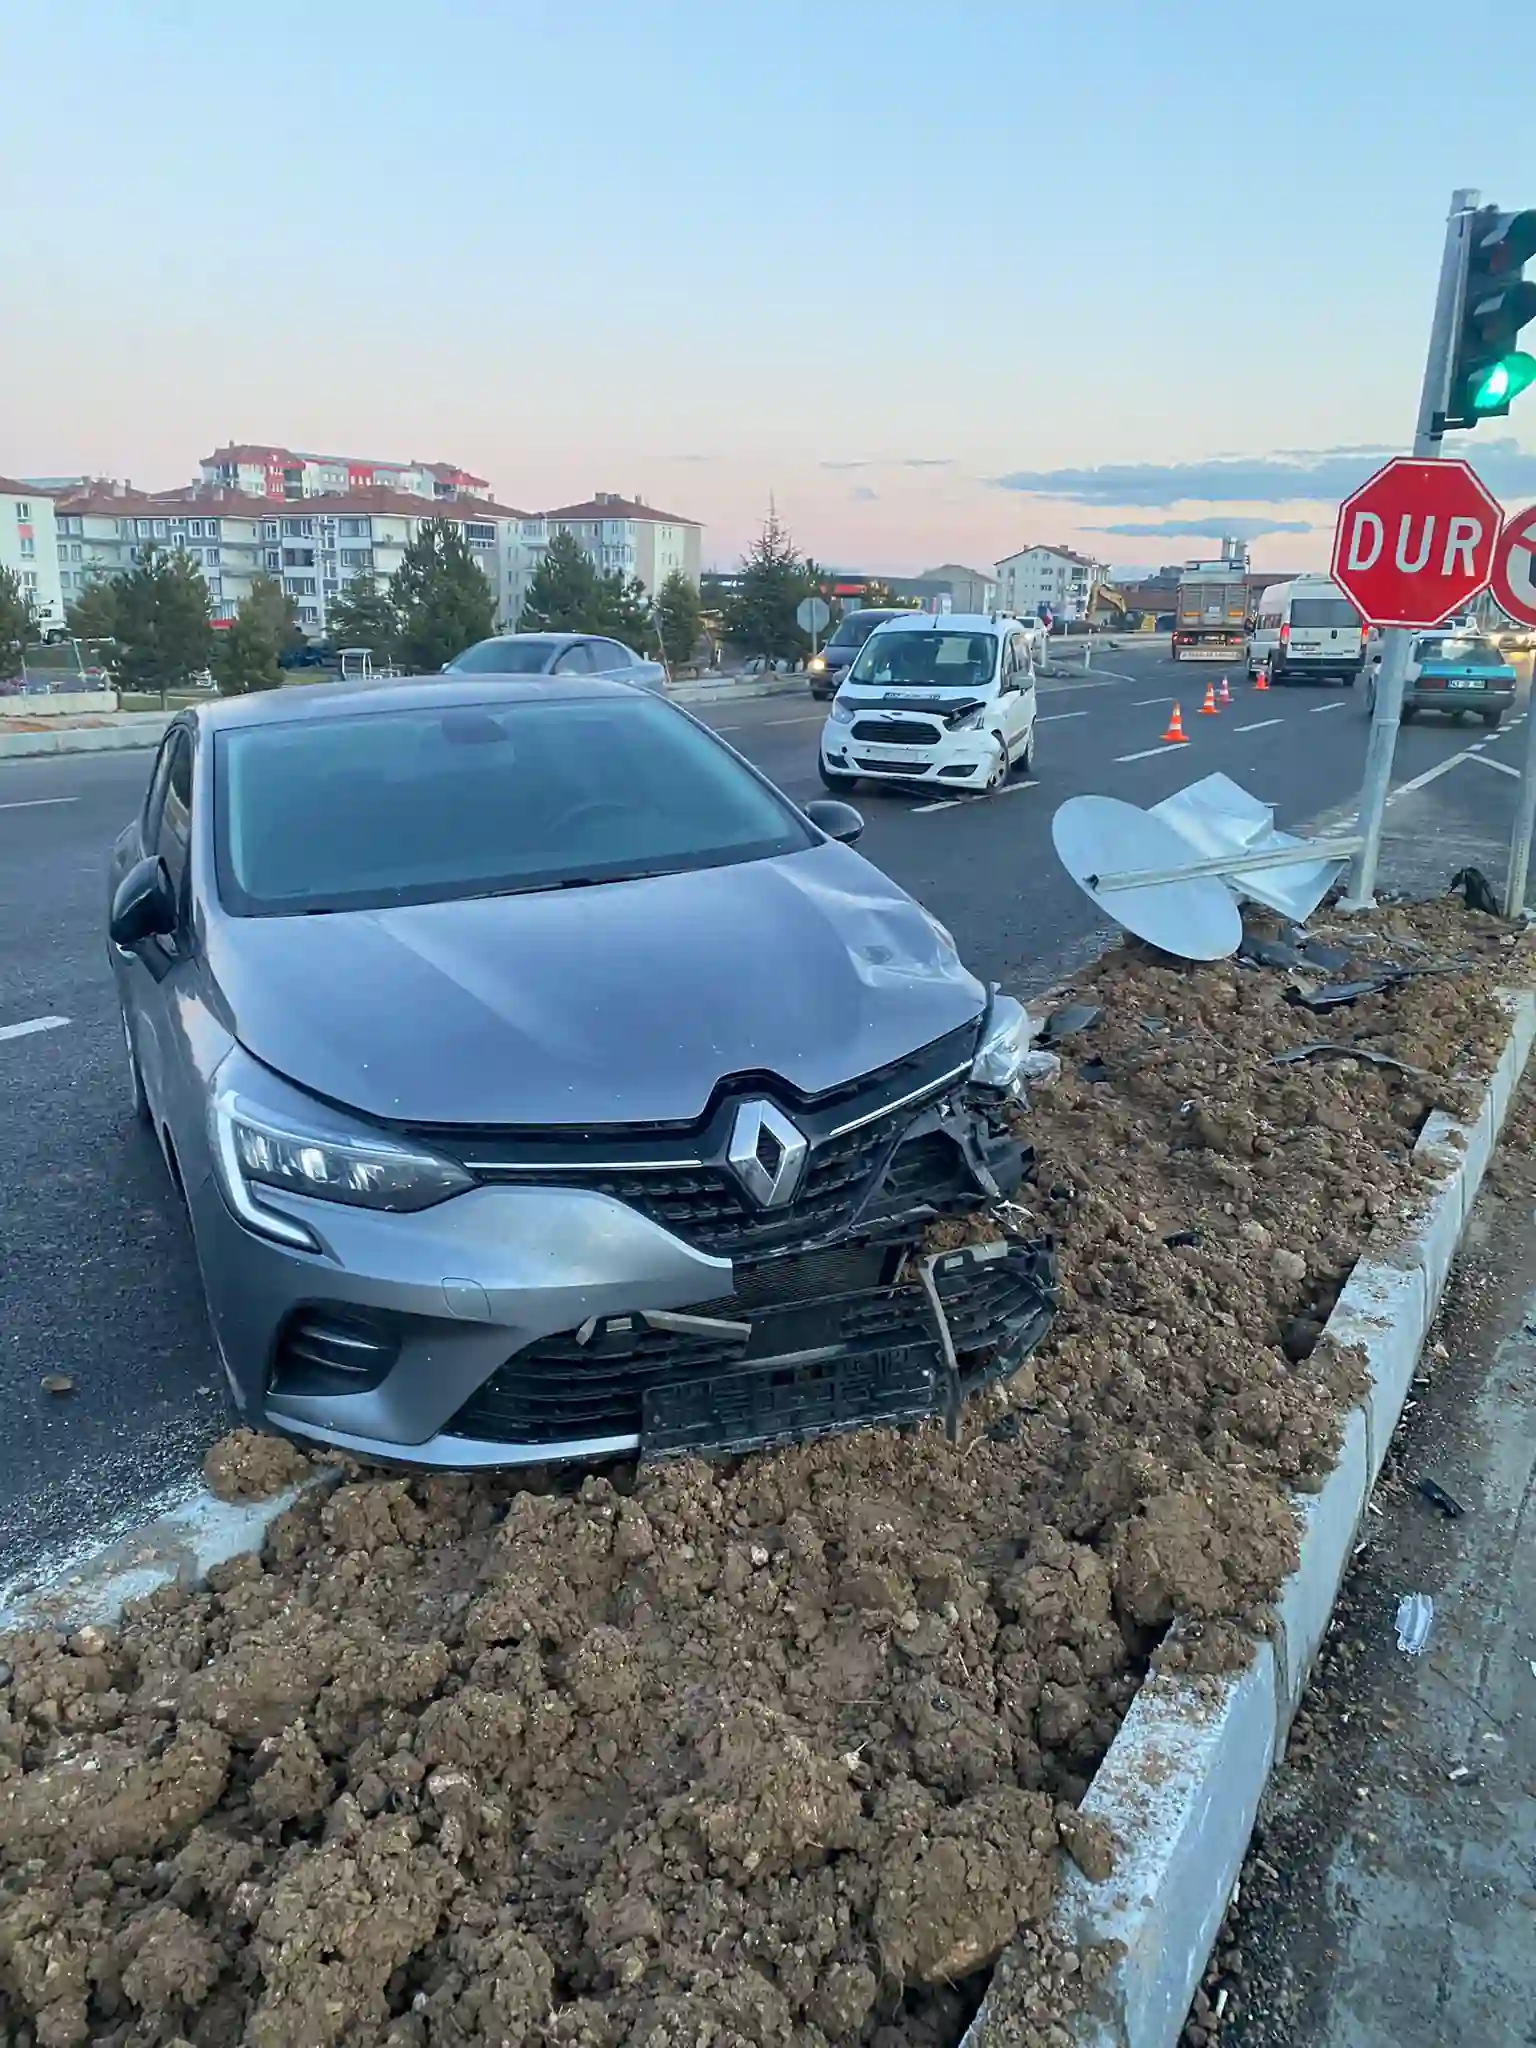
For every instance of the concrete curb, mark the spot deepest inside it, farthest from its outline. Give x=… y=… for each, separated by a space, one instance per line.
x=179 y=1547
x=694 y=694
x=1182 y=1781
x=86 y=739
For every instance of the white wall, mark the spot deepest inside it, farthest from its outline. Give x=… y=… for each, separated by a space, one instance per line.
x=29 y=544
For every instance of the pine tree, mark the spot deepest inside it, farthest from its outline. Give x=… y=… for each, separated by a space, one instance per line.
x=245 y=653
x=679 y=619
x=162 y=630
x=93 y=614
x=364 y=616
x=280 y=615
x=760 y=613
x=564 y=591
x=624 y=611
x=17 y=623
x=444 y=601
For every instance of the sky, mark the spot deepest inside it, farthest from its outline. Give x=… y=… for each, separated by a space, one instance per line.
x=939 y=282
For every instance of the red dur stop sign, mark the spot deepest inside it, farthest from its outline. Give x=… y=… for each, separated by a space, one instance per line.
x=1416 y=541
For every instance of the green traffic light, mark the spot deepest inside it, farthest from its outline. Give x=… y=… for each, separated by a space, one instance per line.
x=1503 y=381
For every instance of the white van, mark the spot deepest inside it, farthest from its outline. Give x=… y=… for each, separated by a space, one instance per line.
x=942 y=698
x=1307 y=631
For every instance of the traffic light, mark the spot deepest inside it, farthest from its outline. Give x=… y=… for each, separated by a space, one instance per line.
x=1487 y=370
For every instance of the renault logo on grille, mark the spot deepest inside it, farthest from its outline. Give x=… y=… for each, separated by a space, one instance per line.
x=767 y=1154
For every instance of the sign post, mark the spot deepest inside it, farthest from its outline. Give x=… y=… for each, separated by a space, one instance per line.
x=1514 y=587
x=1426 y=445
x=812 y=615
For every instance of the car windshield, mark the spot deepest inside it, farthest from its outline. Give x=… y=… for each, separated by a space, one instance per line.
x=1470 y=648
x=1323 y=611
x=434 y=805
x=856 y=628
x=508 y=657
x=939 y=660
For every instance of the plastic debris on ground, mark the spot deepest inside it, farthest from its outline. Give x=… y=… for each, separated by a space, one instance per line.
x=1437 y=1497
x=1415 y=1618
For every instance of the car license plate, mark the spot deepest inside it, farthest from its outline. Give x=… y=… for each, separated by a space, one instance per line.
x=896 y=754
x=1464 y=683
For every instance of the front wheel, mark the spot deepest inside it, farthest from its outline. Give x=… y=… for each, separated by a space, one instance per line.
x=1025 y=764
x=830 y=779
x=997 y=774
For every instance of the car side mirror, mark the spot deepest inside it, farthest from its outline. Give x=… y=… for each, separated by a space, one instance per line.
x=839 y=821
x=143 y=905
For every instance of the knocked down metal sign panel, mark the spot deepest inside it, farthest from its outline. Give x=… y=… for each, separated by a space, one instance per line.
x=1217 y=816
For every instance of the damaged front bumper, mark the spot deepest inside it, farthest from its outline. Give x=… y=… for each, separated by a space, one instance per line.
x=645 y=1303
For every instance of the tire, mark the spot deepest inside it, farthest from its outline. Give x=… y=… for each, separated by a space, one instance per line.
x=1492 y=718
x=831 y=780
x=138 y=1100
x=1410 y=713
x=821 y=696
x=1000 y=773
x=1025 y=765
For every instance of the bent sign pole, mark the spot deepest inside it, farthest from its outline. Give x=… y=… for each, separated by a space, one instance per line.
x=1514 y=589
x=1426 y=446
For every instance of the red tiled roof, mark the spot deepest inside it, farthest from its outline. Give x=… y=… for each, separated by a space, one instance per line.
x=619 y=508
x=450 y=473
x=202 y=499
x=193 y=499
x=379 y=498
x=14 y=488
x=251 y=452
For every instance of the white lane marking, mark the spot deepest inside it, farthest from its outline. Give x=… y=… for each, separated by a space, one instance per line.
x=1429 y=774
x=1055 y=717
x=953 y=803
x=1487 y=761
x=800 y=718
x=1149 y=754
x=36 y=803
x=1141 y=703
x=1315 y=708
x=1259 y=727
x=32 y=1024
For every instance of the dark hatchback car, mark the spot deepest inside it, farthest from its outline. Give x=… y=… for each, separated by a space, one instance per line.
x=827 y=669
x=542 y=1083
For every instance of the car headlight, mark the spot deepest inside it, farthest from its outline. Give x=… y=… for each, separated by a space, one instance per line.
x=816 y=664
x=1004 y=1047
x=255 y=1151
x=969 y=721
x=840 y=714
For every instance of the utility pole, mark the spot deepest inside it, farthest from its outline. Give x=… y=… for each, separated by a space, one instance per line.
x=1426 y=443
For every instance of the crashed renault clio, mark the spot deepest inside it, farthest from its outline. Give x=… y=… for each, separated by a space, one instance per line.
x=542 y=1084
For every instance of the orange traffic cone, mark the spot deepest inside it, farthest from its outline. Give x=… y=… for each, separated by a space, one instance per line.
x=1261 y=680
x=1223 y=695
x=1210 y=708
x=1175 y=736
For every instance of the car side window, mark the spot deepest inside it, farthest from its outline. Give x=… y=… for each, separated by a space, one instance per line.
x=1022 y=660
x=1008 y=669
x=154 y=796
x=609 y=654
x=576 y=661
x=173 y=832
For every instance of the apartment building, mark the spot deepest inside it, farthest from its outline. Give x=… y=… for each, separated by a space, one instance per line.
x=29 y=546
x=261 y=471
x=1059 y=577
x=627 y=535
x=104 y=529
x=318 y=545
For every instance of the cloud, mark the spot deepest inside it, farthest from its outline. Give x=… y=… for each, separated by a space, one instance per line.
x=927 y=462
x=1211 y=529
x=1315 y=475
x=863 y=495
x=845 y=465
x=691 y=458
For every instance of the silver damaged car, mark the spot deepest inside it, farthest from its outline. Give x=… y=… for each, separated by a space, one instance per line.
x=542 y=1084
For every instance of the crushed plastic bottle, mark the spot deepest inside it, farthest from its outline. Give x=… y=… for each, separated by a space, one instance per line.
x=1415 y=1618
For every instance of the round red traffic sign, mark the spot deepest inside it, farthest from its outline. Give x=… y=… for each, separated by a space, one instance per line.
x=1513 y=582
x=1415 y=541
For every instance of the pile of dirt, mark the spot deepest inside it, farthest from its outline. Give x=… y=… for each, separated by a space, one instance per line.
x=781 y=1749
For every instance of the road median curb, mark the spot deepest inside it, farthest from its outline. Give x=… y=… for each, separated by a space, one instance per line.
x=1181 y=1783
x=85 y=739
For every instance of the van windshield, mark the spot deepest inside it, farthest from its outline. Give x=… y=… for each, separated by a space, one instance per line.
x=1323 y=611
x=936 y=660
x=856 y=628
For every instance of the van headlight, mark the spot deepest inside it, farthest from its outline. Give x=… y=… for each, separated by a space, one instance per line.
x=254 y=1150
x=969 y=721
x=816 y=665
x=1004 y=1046
x=840 y=714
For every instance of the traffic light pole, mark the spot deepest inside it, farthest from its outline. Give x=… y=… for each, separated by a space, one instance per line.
x=1394 y=653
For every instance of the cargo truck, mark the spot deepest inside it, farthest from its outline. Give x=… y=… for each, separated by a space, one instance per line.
x=1210 y=620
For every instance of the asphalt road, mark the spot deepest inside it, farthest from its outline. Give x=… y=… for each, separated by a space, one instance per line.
x=97 y=1279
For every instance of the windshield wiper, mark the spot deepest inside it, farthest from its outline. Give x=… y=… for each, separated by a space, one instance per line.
x=566 y=882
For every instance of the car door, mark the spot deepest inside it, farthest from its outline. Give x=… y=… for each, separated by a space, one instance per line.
x=153 y=980
x=1024 y=697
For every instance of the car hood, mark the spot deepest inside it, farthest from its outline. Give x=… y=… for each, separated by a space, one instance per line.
x=620 y=1004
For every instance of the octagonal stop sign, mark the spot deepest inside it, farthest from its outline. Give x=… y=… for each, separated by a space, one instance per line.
x=1416 y=541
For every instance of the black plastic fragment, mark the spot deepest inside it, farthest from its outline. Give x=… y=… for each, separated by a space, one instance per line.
x=1437 y=1497
x=1073 y=1017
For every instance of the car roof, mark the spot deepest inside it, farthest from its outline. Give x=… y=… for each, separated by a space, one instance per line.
x=951 y=622
x=550 y=639
x=354 y=699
